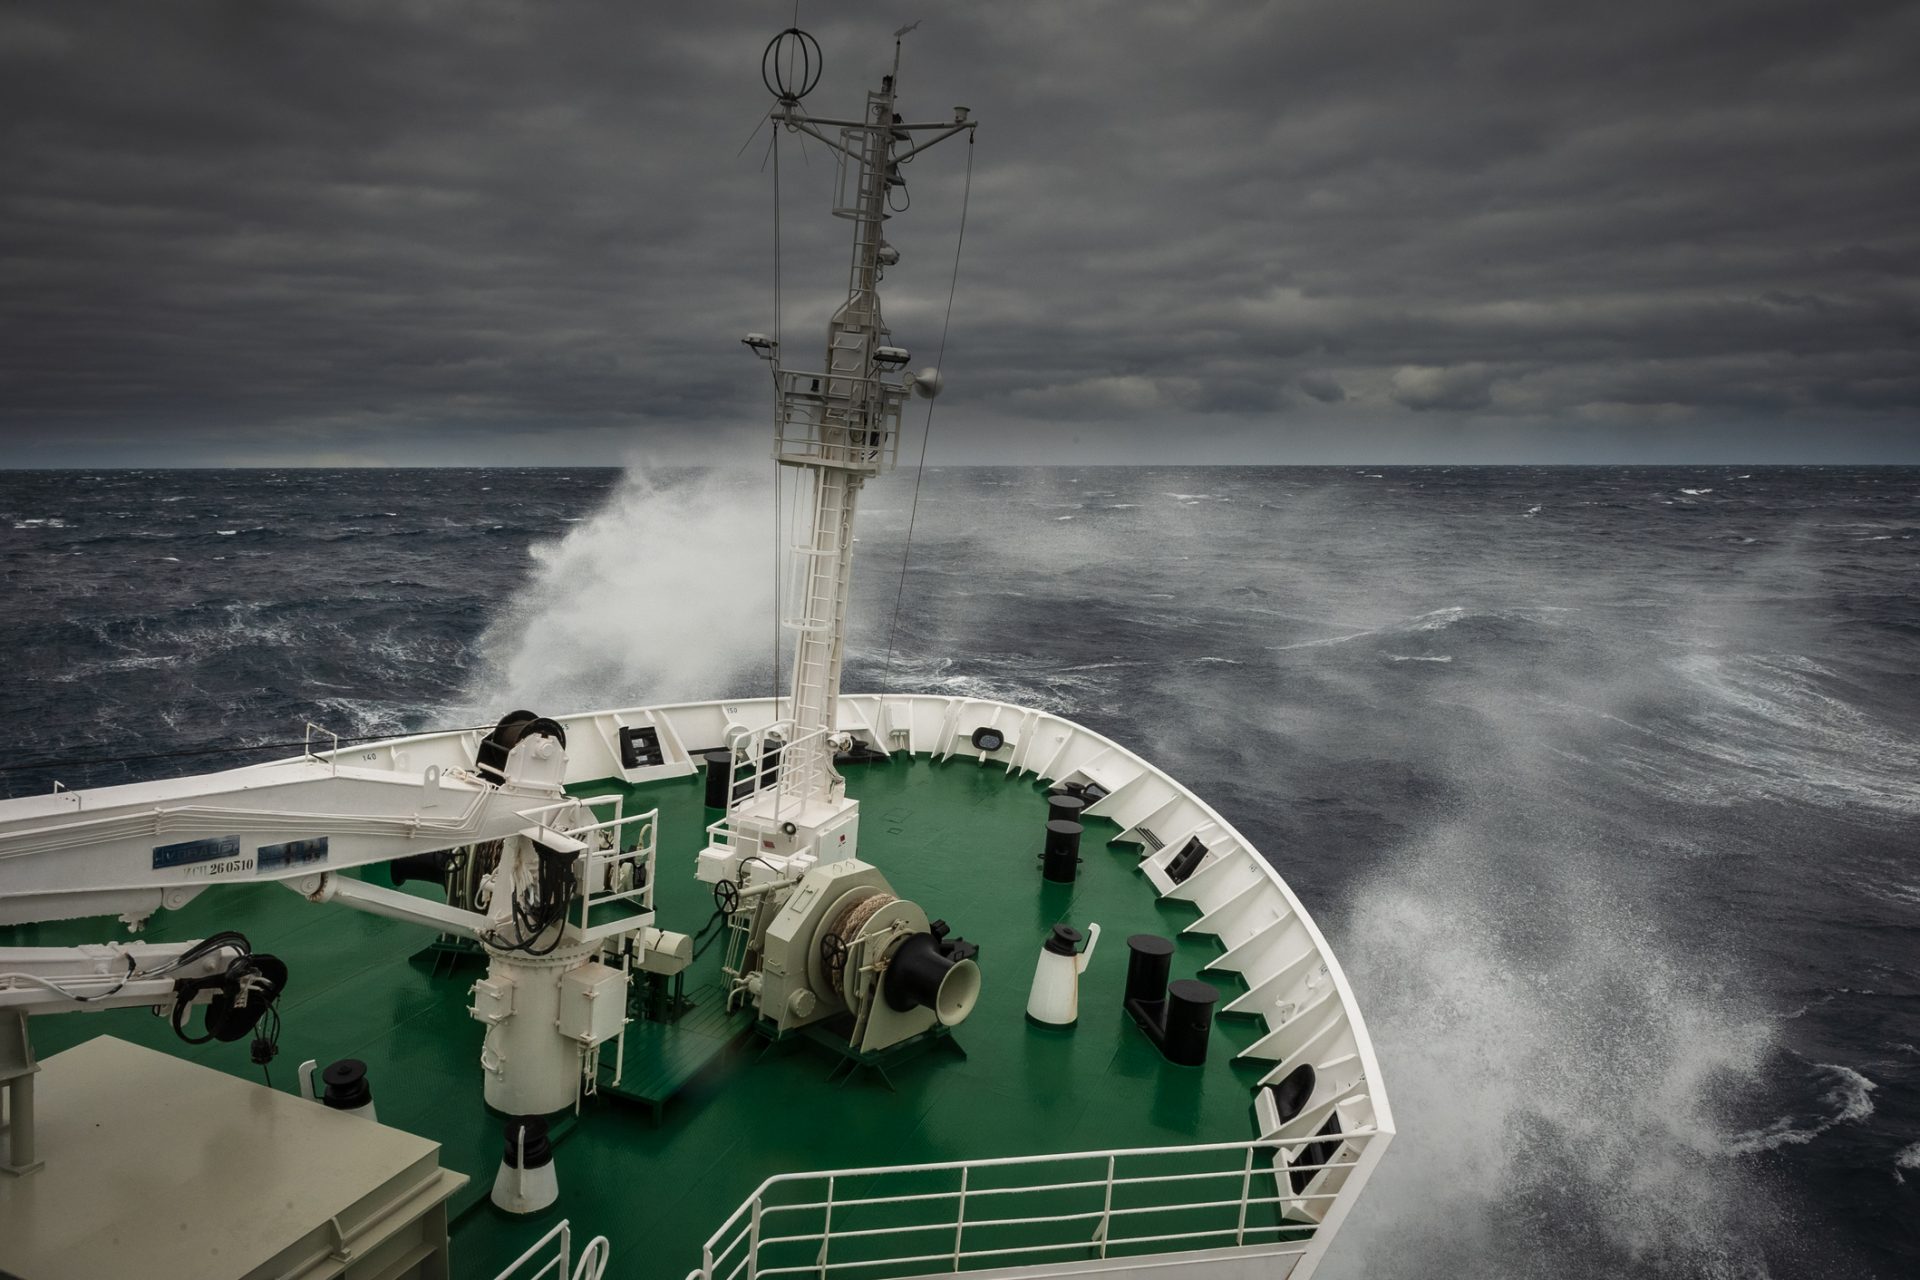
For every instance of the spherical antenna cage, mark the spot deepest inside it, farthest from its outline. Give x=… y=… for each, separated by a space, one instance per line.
x=791 y=65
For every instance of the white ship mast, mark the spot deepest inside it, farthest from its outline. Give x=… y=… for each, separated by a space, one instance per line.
x=836 y=425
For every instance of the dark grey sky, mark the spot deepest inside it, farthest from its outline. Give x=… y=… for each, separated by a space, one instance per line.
x=1343 y=230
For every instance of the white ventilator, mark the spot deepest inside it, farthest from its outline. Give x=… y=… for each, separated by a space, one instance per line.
x=526 y=1181
x=1056 y=978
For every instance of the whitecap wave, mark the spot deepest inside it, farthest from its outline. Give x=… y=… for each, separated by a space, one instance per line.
x=1851 y=1097
x=1578 y=1081
x=1907 y=1157
x=603 y=620
x=1772 y=725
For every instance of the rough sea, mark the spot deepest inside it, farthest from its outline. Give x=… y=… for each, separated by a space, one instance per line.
x=1604 y=782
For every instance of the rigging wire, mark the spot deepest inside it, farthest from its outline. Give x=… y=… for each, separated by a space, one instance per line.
x=939 y=362
x=777 y=336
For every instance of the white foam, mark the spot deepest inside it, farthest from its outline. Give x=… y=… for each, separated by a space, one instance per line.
x=1323 y=643
x=1582 y=1072
x=1764 y=724
x=1439 y=619
x=665 y=594
x=1907 y=1157
x=1851 y=1097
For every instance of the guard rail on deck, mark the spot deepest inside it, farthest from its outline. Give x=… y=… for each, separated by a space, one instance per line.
x=552 y=1255
x=1084 y=1207
x=811 y=427
x=776 y=770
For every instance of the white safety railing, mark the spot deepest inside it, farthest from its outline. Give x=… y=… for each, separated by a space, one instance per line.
x=306 y=746
x=552 y=1255
x=613 y=874
x=1264 y=1197
x=784 y=767
x=607 y=874
x=811 y=427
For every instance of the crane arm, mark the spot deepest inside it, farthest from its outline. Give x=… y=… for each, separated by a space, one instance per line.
x=129 y=850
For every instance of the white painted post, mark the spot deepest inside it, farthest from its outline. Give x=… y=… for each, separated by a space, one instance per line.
x=960 y=1223
x=1106 y=1211
x=826 y=1229
x=1246 y=1186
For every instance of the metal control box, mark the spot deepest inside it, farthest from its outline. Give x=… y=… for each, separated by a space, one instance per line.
x=593 y=1003
x=492 y=1001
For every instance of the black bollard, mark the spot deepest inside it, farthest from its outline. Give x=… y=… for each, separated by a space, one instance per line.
x=1149 y=960
x=1176 y=1016
x=345 y=1086
x=1064 y=807
x=1062 y=856
x=1189 y=1020
x=719 y=774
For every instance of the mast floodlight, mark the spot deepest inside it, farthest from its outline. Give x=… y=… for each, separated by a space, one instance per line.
x=763 y=346
x=791 y=65
x=897 y=357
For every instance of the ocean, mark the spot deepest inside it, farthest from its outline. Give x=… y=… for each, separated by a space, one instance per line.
x=1604 y=782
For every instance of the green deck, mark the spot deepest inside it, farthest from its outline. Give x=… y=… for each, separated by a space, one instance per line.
x=957 y=837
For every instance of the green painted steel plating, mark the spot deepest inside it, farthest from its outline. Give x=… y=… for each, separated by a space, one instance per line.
x=656 y=1179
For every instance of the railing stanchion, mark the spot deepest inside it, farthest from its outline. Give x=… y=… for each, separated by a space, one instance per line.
x=1246 y=1189
x=1031 y=1202
x=1106 y=1211
x=960 y=1222
x=826 y=1229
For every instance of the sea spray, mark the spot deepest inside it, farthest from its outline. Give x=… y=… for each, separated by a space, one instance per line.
x=664 y=595
x=1554 y=1073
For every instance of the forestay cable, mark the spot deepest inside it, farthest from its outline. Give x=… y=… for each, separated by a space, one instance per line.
x=939 y=363
x=776 y=413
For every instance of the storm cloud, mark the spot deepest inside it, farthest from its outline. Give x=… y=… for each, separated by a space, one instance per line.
x=365 y=231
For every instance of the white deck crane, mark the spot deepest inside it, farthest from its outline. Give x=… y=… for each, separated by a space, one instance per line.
x=836 y=426
x=565 y=911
